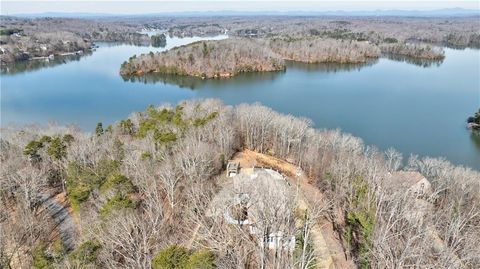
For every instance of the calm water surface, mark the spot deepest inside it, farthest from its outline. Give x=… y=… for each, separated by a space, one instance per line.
x=417 y=108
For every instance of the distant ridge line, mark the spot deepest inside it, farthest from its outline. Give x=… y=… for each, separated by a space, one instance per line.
x=448 y=12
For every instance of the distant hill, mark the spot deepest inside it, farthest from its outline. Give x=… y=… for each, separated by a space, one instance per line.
x=450 y=12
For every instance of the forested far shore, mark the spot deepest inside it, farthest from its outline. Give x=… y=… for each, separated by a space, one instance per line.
x=151 y=190
x=23 y=39
x=207 y=59
x=456 y=32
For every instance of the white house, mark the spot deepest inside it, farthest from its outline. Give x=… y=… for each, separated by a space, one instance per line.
x=279 y=241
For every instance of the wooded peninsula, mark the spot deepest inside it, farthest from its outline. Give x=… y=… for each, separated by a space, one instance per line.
x=205 y=185
x=207 y=59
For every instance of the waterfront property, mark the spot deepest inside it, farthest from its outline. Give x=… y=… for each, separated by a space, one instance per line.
x=367 y=100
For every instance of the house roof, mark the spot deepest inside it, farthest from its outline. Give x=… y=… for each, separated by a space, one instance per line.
x=233 y=165
x=403 y=180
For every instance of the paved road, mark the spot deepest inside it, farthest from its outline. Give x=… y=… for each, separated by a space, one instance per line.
x=62 y=218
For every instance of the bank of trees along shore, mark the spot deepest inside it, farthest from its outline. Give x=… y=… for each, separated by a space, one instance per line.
x=420 y=51
x=474 y=121
x=226 y=58
x=139 y=189
x=323 y=50
x=23 y=39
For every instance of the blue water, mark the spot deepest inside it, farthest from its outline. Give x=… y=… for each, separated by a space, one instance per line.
x=388 y=103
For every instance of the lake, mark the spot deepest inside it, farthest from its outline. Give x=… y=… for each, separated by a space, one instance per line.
x=417 y=107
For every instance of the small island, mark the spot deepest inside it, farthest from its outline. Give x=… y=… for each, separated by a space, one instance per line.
x=158 y=41
x=207 y=59
x=474 y=122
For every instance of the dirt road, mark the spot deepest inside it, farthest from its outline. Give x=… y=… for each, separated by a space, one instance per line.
x=328 y=247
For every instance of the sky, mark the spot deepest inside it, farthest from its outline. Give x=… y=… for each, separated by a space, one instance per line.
x=12 y=7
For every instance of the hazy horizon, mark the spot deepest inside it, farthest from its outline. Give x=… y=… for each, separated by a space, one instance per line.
x=151 y=7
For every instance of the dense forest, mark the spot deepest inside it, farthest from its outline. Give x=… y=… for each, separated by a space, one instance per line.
x=159 y=40
x=324 y=50
x=144 y=192
x=458 y=32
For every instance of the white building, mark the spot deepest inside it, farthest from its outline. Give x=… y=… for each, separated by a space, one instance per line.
x=279 y=241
